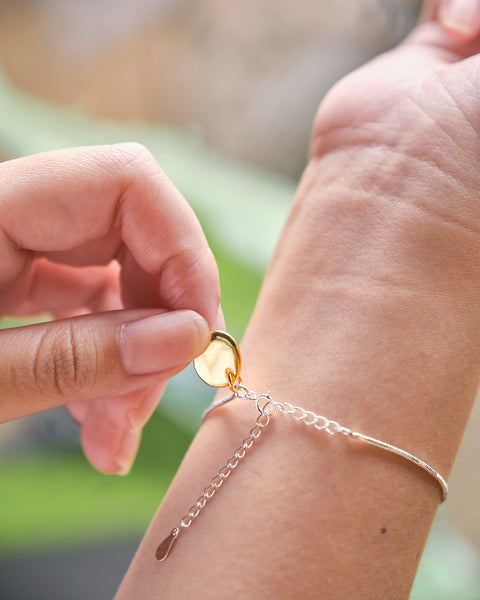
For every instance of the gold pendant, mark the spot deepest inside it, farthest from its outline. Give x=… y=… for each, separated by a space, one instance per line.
x=219 y=366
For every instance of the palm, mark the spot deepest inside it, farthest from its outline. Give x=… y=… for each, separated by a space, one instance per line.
x=415 y=108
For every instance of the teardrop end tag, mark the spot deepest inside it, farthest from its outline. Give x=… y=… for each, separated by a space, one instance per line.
x=165 y=547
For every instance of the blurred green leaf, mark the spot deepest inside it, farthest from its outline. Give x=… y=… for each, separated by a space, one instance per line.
x=56 y=499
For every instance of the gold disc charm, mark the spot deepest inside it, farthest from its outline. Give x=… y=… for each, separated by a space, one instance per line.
x=219 y=365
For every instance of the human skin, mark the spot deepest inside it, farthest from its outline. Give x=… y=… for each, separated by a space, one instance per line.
x=99 y=230
x=368 y=315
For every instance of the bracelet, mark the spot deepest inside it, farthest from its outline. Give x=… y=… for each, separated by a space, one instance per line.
x=219 y=366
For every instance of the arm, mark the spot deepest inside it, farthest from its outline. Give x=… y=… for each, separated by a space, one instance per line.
x=368 y=315
x=305 y=513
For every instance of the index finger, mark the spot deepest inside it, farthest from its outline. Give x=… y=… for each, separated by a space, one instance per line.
x=59 y=202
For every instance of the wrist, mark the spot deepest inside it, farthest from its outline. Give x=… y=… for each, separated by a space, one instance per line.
x=370 y=215
x=368 y=314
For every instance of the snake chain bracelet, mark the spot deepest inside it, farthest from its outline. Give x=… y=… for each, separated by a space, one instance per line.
x=219 y=366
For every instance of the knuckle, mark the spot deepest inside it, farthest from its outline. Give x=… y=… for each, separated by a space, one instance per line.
x=183 y=271
x=60 y=366
x=135 y=156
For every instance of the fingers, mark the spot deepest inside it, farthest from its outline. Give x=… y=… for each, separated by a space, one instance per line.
x=460 y=18
x=94 y=356
x=68 y=220
x=132 y=411
x=106 y=422
x=61 y=289
x=457 y=16
x=450 y=27
x=90 y=205
x=108 y=447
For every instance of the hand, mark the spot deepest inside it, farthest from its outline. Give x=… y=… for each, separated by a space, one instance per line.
x=407 y=121
x=384 y=229
x=100 y=232
x=392 y=178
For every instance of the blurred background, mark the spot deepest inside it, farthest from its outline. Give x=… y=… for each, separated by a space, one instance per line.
x=223 y=93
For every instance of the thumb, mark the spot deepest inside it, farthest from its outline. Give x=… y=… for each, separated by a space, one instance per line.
x=94 y=356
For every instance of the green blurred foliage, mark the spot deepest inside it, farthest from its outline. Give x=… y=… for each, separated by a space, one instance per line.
x=57 y=498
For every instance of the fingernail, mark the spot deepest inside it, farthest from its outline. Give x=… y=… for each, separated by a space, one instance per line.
x=136 y=422
x=461 y=16
x=140 y=414
x=126 y=452
x=120 y=407
x=109 y=448
x=162 y=342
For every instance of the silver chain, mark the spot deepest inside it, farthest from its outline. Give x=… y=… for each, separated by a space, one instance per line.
x=265 y=404
x=266 y=408
x=321 y=423
x=216 y=482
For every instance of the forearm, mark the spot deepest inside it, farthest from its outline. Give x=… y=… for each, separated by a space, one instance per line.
x=367 y=316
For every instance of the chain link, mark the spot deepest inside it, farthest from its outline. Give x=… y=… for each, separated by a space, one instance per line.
x=216 y=483
x=225 y=471
x=298 y=413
